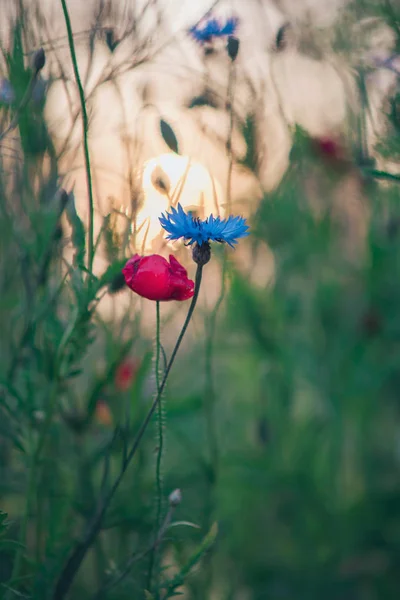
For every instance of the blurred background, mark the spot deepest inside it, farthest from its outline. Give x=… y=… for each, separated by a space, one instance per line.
x=281 y=416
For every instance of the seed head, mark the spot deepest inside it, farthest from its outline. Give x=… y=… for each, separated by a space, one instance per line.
x=160 y=181
x=175 y=498
x=39 y=60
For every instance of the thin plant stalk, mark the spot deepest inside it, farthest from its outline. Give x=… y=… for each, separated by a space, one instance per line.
x=160 y=448
x=135 y=558
x=210 y=398
x=85 y=125
x=73 y=564
x=230 y=98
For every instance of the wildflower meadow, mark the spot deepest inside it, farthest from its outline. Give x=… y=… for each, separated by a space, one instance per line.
x=200 y=300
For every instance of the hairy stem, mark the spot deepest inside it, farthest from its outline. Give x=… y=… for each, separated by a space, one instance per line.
x=160 y=424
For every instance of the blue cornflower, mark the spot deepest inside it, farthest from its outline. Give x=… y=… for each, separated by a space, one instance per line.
x=389 y=63
x=213 y=28
x=179 y=224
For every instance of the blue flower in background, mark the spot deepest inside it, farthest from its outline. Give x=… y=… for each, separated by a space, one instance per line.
x=179 y=224
x=392 y=63
x=213 y=29
x=7 y=94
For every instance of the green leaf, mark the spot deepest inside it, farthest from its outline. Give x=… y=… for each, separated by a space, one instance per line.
x=111 y=41
x=102 y=233
x=250 y=160
x=183 y=523
x=202 y=549
x=169 y=136
x=186 y=407
x=78 y=230
x=111 y=273
x=18 y=54
x=13 y=545
x=3 y=522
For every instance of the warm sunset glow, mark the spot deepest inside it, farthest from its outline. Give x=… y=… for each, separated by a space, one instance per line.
x=167 y=180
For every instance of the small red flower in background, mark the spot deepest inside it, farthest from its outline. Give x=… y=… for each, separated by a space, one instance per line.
x=330 y=149
x=125 y=374
x=154 y=278
x=103 y=413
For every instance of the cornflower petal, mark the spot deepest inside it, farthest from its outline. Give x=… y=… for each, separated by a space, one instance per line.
x=213 y=28
x=179 y=224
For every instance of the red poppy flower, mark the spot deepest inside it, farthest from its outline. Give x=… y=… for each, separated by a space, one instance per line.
x=125 y=374
x=330 y=149
x=154 y=278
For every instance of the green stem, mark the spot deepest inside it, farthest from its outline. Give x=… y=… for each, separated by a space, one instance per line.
x=231 y=88
x=158 y=345
x=210 y=396
x=160 y=423
x=73 y=564
x=382 y=175
x=85 y=124
x=363 y=139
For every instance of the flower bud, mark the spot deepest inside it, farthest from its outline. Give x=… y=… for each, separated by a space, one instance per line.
x=233 y=47
x=175 y=498
x=282 y=37
x=201 y=254
x=39 y=416
x=39 y=60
